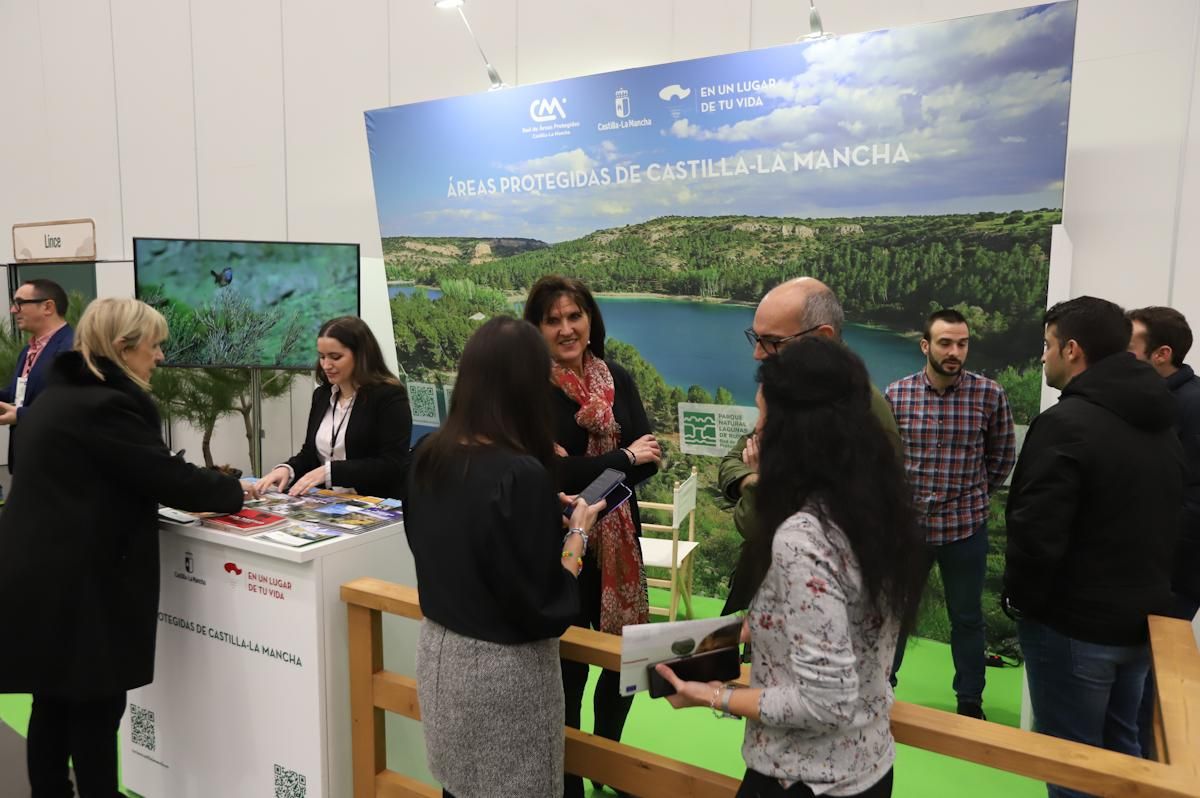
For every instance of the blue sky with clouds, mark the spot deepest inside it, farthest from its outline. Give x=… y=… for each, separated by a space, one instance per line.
x=979 y=103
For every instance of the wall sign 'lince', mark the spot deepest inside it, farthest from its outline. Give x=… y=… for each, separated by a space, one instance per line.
x=66 y=240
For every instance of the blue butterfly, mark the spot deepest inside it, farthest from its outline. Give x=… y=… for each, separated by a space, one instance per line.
x=225 y=277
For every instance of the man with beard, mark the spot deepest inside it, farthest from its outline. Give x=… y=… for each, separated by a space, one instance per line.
x=959 y=445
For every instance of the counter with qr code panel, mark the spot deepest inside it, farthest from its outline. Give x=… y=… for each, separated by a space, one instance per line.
x=251 y=686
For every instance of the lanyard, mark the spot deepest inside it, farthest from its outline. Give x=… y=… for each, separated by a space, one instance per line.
x=337 y=428
x=31 y=357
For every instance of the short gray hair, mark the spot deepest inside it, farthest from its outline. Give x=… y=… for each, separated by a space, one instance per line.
x=820 y=308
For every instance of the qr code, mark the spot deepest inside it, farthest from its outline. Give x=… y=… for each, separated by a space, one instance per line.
x=141 y=722
x=422 y=399
x=289 y=783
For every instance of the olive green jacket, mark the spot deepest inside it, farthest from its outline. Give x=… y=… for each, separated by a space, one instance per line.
x=732 y=470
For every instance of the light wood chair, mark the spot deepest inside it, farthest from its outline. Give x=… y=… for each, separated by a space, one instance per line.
x=673 y=554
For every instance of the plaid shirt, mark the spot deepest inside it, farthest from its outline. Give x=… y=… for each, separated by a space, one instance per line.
x=958 y=447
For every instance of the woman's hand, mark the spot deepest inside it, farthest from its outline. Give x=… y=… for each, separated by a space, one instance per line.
x=309 y=481
x=583 y=515
x=560 y=451
x=275 y=480
x=750 y=453
x=646 y=449
x=689 y=694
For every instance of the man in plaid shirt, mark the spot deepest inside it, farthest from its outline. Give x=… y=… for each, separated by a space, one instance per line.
x=959 y=445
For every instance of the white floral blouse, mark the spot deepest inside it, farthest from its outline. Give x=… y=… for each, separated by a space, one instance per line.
x=821 y=657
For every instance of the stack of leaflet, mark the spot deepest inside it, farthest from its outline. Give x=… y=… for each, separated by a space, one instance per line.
x=321 y=515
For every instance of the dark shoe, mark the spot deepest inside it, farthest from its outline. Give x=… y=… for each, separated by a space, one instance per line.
x=971 y=710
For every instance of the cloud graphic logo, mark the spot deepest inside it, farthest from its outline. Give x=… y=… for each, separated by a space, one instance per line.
x=674 y=92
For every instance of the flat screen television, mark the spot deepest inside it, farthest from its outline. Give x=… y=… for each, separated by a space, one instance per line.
x=245 y=304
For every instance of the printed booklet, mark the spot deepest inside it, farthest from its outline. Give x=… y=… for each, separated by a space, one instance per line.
x=246 y=521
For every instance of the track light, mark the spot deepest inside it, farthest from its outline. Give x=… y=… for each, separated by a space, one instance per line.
x=816 y=30
x=493 y=75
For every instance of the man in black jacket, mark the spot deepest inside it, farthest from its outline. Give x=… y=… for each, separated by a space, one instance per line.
x=1162 y=338
x=1092 y=523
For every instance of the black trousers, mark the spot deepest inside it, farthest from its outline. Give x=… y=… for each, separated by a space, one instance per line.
x=83 y=731
x=756 y=785
x=609 y=707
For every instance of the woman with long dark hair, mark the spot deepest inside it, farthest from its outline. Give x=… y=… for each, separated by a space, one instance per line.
x=598 y=422
x=496 y=575
x=360 y=424
x=834 y=563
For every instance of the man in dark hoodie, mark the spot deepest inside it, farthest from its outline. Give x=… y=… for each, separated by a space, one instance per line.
x=1092 y=522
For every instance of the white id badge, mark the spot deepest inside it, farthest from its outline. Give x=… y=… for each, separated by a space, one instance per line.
x=19 y=399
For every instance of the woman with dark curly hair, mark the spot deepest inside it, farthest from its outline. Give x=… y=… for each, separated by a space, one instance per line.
x=834 y=563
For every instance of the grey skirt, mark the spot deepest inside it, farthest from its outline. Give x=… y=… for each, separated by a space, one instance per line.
x=492 y=714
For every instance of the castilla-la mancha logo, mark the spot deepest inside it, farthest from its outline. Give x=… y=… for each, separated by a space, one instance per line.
x=547 y=110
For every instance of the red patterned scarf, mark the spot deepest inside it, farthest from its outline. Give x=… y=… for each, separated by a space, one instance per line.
x=614 y=539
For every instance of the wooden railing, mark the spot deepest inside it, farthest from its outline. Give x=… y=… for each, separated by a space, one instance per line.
x=1095 y=770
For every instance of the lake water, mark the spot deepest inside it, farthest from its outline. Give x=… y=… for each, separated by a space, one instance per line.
x=694 y=343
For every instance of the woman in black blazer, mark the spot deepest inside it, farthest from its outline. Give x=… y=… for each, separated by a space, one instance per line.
x=360 y=423
x=79 y=565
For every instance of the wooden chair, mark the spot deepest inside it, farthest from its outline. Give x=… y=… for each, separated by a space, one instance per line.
x=673 y=554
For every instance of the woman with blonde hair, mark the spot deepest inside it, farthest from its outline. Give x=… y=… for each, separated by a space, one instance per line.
x=79 y=545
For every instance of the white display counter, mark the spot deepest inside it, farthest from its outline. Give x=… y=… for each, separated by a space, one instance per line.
x=251 y=688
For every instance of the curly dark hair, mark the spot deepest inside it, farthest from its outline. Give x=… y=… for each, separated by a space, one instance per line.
x=824 y=451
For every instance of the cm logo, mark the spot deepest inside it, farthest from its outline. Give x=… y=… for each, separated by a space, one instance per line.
x=547 y=110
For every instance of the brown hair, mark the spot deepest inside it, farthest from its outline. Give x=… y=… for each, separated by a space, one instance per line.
x=501 y=397
x=354 y=334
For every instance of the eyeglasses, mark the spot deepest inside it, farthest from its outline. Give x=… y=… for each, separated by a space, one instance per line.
x=35 y=300
x=771 y=345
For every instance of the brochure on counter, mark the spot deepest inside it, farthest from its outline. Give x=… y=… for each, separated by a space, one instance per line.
x=300 y=520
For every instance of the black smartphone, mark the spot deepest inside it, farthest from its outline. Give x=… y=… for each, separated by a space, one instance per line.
x=610 y=485
x=718 y=665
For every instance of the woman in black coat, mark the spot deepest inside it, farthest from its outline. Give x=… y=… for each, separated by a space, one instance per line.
x=359 y=425
x=598 y=422
x=79 y=545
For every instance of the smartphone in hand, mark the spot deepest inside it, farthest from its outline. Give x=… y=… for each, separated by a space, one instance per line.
x=610 y=486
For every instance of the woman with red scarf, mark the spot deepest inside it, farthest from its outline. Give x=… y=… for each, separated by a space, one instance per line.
x=598 y=423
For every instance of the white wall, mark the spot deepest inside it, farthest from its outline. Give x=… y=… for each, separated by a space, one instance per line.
x=227 y=119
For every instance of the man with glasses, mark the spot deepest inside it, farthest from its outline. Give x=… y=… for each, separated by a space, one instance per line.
x=799 y=307
x=39 y=307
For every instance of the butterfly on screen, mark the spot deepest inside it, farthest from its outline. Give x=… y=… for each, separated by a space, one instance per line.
x=225 y=277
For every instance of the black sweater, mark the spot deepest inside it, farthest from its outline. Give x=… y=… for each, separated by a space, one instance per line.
x=487 y=542
x=1093 y=513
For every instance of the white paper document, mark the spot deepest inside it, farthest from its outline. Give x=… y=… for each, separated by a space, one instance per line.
x=647 y=644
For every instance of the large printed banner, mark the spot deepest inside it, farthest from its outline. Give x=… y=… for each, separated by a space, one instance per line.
x=909 y=169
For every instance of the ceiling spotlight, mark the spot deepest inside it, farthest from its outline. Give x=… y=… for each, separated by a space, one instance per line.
x=815 y=29
x=493 y=74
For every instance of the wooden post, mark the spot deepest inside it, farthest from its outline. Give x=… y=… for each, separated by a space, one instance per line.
x=367 y=735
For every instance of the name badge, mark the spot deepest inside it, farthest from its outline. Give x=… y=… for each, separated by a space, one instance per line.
x=19 y=399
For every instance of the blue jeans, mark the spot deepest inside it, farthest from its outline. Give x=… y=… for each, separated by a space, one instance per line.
x=1086 y=692
x=962 y=565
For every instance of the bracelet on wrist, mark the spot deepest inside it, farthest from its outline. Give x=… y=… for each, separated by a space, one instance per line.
x=727 y=693
x=629 y=453
x=577 y=530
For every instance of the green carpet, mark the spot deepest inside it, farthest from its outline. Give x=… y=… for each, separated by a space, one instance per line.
x=695 y=736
